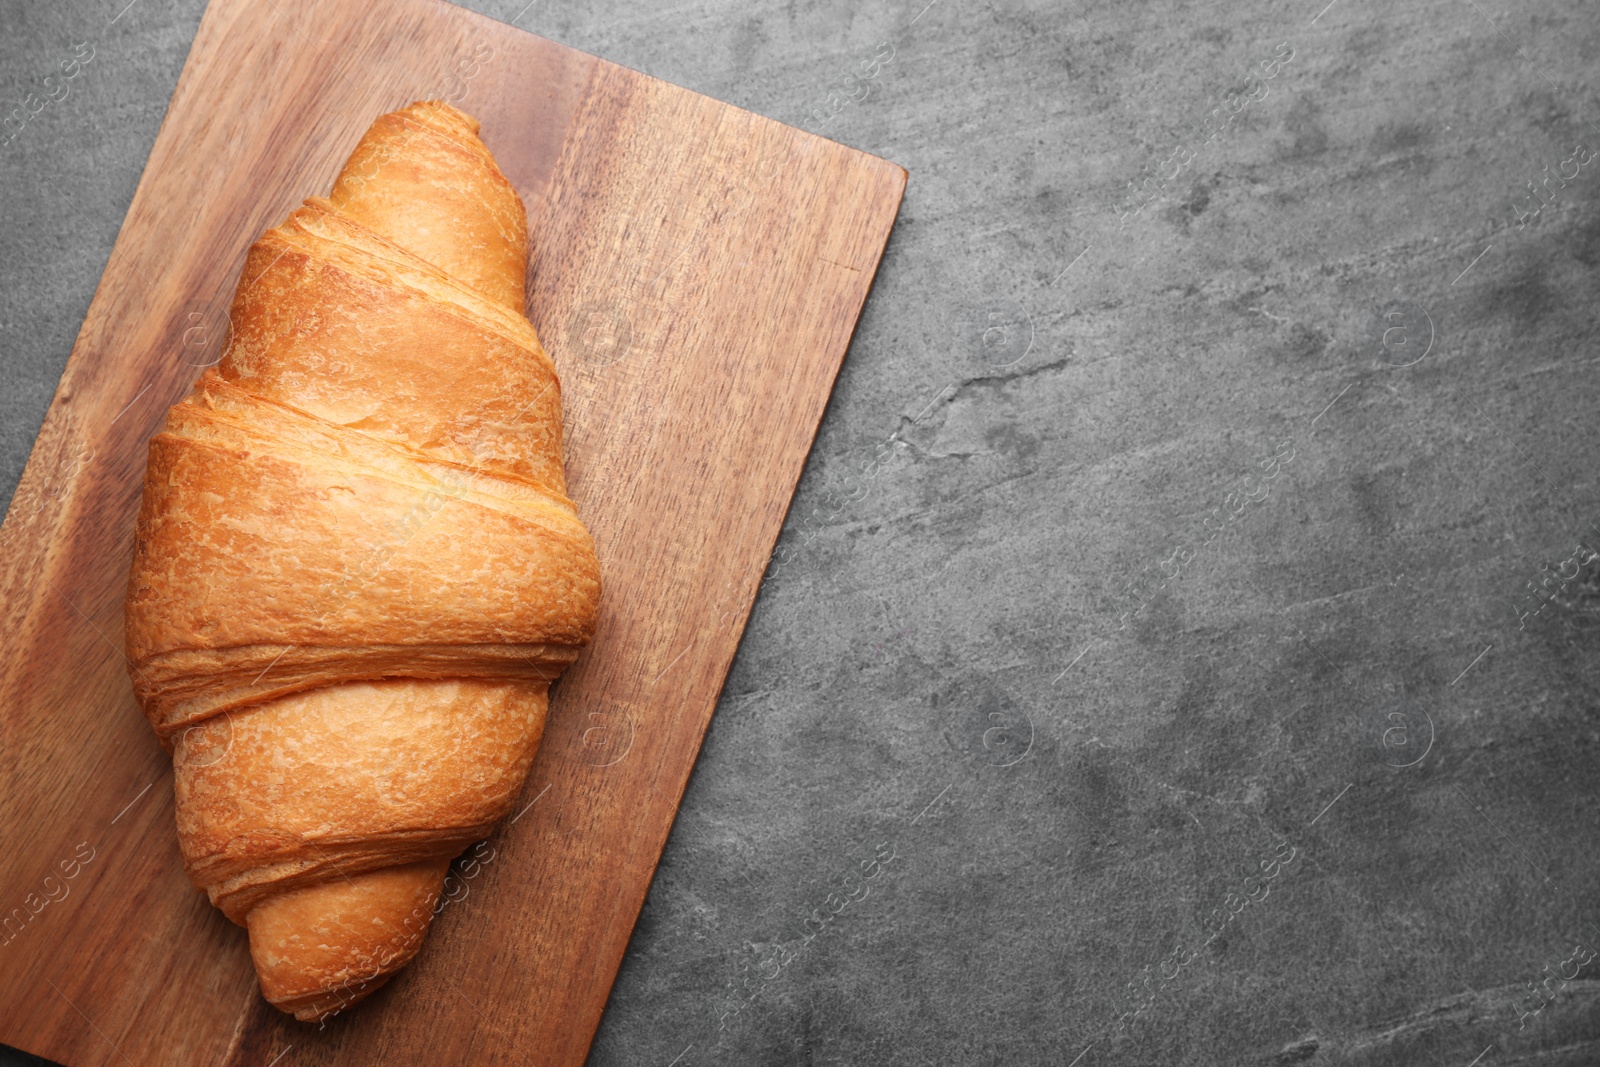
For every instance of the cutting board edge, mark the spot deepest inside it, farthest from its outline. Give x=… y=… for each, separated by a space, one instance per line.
x=656 y=81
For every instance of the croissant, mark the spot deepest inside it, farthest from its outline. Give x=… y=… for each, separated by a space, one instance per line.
x=356 y=568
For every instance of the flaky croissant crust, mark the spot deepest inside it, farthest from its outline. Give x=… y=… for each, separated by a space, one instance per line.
x=356 y=567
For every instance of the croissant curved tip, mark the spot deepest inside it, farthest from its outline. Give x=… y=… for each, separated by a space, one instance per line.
x=440 y=113
x=325 y=947
x=421 y=178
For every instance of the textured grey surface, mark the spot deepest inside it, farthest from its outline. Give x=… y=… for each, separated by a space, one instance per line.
x=955 y=661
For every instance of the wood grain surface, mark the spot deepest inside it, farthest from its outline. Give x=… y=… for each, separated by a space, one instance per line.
x=697 y=272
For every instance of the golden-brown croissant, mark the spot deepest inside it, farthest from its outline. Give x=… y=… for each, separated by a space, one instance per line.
x=357 y=569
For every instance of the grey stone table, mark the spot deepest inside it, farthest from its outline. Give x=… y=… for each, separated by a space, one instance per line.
x=1188 y=615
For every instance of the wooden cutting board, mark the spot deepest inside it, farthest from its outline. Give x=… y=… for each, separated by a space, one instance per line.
x=697 y=272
